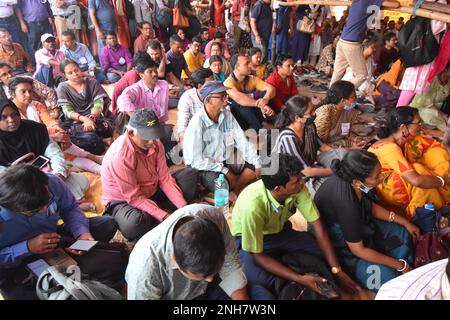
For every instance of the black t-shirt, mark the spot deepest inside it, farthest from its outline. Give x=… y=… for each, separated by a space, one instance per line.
x=338 y=204
x=167 y=70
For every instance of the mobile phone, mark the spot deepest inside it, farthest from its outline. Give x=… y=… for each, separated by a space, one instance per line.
x=40 y=162
x=37 y=267
x=83 y=245
x=325 y=288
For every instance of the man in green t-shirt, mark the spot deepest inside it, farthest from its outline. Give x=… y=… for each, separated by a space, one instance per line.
x=262 y=230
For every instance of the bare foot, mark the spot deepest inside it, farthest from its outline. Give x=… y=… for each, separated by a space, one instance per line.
x=88 y=206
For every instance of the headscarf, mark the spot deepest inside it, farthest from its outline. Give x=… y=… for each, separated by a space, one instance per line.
x=82 y=103
x=31 y=136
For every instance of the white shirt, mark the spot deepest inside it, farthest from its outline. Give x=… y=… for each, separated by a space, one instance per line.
x=429 y=282
x=188 y=105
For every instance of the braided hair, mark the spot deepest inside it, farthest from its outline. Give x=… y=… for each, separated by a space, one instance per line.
x=339 y=90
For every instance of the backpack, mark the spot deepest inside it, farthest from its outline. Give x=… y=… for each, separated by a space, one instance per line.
x=430 y=247
x=417 y=43
x=88 y=141
x=303 y=263
x=57 y=283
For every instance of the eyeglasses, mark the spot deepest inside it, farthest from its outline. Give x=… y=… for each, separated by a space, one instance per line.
x=223 y=97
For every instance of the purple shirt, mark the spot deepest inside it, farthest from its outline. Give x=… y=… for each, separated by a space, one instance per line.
x=356 y=25
x=33 y=10
x=115 y=58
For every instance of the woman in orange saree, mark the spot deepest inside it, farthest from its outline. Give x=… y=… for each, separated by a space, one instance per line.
x=415 y=167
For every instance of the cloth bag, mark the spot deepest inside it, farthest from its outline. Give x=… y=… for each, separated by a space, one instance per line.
x=179 y=20
x=56 y=283
x=306 y=25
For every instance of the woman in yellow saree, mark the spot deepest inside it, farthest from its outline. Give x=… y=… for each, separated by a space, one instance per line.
x=415 y=167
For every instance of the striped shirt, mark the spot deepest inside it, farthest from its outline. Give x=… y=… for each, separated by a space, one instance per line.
x=287 y=143
x=429 y=282
x=188 y=105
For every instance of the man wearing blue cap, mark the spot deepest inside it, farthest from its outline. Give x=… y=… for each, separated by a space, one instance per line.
x=211 y=138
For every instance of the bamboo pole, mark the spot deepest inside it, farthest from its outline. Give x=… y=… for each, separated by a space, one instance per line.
x=430 y=14
x=436 y=7
x=425 y=13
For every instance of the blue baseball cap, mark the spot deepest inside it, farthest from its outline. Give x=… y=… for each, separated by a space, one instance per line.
x=211 y=87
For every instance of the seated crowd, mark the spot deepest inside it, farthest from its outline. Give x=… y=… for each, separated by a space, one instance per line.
x=283 y=154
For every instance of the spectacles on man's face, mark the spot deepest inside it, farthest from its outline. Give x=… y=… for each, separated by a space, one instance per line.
x=223 y=97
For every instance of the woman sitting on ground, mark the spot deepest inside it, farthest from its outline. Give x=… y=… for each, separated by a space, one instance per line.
x=258 y=69
x=415 y=167
x=216 y=66
x=84 y=102
x=19 y=137
x=20 y=89
x=430 y=104
x=336 y=114
x=367 y=237
x=298 y=137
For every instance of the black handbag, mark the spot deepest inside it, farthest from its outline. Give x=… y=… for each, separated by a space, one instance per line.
x=104 y=127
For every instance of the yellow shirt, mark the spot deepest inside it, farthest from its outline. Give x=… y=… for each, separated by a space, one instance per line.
x=253 y=84
x=260 y=71
x=193 y=62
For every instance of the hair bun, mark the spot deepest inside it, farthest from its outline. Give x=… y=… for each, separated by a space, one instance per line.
x=335 y=165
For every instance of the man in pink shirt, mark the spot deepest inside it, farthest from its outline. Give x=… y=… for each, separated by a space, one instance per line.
x=135 y=177
x=148 y=93
x=218 y=37
x=47 y=61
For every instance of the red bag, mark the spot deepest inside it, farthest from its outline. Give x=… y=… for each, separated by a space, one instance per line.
x=430 y=247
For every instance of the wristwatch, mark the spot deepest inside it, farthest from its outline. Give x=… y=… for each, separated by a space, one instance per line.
x=336 y=270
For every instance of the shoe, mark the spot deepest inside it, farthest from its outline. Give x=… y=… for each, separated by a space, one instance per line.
x=306 y=83
x=365 y=107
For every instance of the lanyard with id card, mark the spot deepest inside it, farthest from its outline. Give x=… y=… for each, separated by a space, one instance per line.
x=83 y=60
x=345 y=128
x=228 y=131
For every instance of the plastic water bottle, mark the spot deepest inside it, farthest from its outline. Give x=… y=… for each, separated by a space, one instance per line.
x=221 y=193
x=429 y=206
